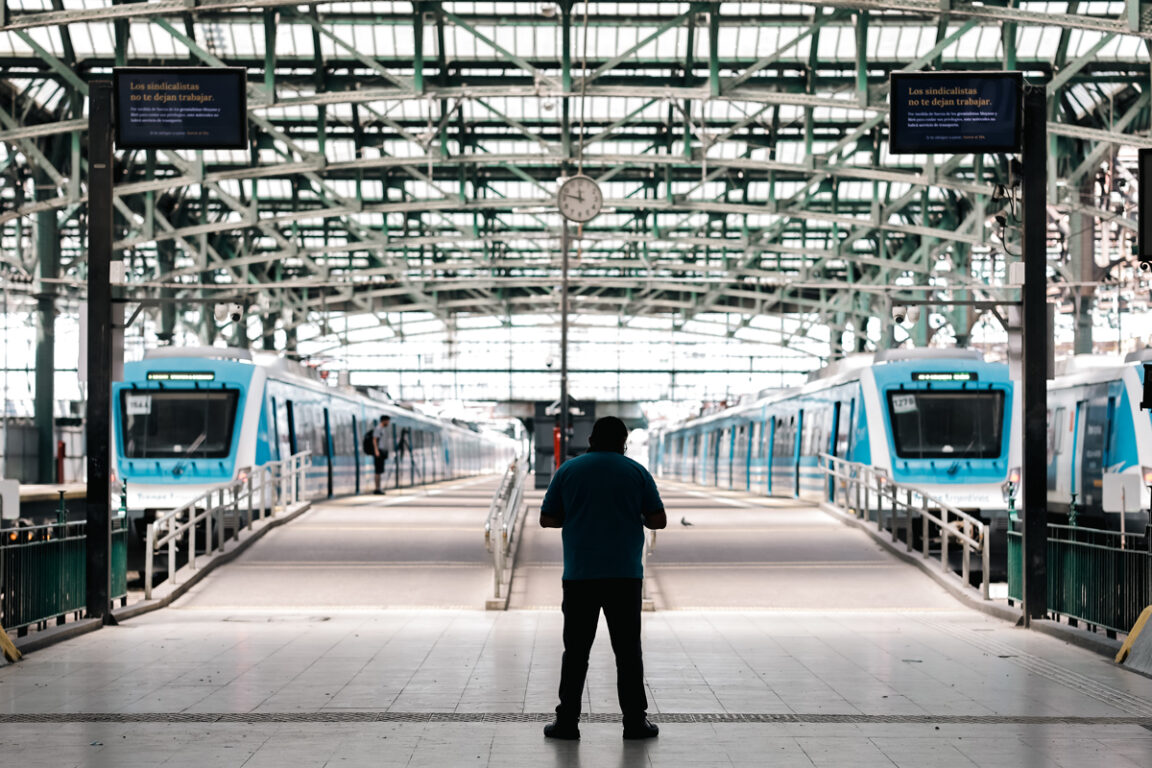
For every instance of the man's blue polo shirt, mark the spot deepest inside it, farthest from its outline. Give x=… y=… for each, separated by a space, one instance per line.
x=602 y=497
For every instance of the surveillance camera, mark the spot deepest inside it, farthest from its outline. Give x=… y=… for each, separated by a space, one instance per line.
x=903 y=315
x=228 y=312
x=549 y=362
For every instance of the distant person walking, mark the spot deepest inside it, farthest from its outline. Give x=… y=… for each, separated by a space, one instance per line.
x=602 y=501
x=382 y=438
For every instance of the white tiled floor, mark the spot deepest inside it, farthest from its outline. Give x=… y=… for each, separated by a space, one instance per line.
x=807 y=671
x=923 y=670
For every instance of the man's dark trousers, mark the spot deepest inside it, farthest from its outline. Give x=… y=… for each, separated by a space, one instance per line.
x=620 y=600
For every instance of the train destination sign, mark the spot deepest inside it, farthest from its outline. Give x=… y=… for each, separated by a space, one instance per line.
x=945 y=376
x=955 y=112
x=180 y=107
x=181 y=376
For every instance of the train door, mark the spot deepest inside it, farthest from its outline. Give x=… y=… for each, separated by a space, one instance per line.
x=1093 y=435
x=749 y=446
x=290 y=412
x=1077 y=436
x=700 y=456
x=422 y=441
x=834 y=432
x=797 y=452
x=769 y=452
x=357 y=451
x=327 y=442
x=280 y=428
x=844 y=432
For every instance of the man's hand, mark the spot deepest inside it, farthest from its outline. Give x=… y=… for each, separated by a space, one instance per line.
x=550 y=522
x=656 y=520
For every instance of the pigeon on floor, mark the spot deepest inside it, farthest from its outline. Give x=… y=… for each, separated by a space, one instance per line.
x=684 y=521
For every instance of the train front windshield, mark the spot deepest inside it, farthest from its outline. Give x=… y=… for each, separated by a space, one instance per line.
x=171 y=424
x=957 y=424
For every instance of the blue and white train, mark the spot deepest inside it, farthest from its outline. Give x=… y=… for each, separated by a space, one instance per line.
x=1100 y=443
x=188 y=419
x=937 y=420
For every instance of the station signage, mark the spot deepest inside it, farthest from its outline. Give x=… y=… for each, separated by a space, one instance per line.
x=180 y=107
x=946 y=376
x=955 y=112
x=181 y=376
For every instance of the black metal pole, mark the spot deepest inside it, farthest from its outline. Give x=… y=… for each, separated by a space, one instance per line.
x=99 y=529
x=1034 y=354
x=564 y=416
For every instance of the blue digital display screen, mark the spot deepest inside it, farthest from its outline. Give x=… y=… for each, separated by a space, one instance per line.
x=181 y=107
x=954 y=112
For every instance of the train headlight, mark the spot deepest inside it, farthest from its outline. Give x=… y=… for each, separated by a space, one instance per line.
x=1146 y=473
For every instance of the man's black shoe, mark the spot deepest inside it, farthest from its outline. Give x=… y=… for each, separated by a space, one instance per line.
x=640 y=729
x=559 y=730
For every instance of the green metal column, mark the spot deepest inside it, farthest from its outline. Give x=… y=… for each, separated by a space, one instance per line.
x=268 y=335
x=1081 y=247
x=166 y=262
x=566 y=76
x=418 y=51
x=48 y=252
x=862 y=57
x=714 y=49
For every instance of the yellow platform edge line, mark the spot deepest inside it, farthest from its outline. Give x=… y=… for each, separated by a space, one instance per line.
x=1145 y=617
x=11 y=652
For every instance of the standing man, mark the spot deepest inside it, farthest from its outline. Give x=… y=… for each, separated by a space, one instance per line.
x=382 y=439
x=602 y=501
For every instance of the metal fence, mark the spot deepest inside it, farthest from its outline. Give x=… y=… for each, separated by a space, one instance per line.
x=1103 y=578
x=43 y=572
x=863 y=492
x=228 y=507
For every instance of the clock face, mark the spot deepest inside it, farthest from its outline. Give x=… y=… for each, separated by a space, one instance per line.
x=579 y=199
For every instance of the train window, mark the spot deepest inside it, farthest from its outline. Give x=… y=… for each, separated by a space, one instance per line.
x=956 y=424
x=176 y=423
x=319 y=436
x=343 y=434
x=1055 y=432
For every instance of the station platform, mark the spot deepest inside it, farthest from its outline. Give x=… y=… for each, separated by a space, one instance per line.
x=356 y=635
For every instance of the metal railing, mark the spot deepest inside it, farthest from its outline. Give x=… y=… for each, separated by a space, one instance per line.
x=228 y=506
x=43 y=572
x=863 y=492
x=503 y=518
x=649 y=545
x=1091 y=577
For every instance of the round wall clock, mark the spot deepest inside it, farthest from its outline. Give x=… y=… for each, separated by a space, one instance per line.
x=579 y=199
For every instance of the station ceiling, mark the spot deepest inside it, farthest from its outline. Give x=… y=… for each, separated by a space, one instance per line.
x=404 y=156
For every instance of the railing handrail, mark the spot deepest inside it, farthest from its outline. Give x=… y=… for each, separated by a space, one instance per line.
x=973 y=533
x=503 y=517
x=935 y=501
x=183 y=520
